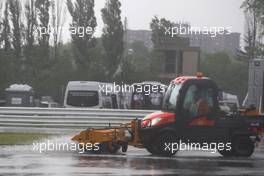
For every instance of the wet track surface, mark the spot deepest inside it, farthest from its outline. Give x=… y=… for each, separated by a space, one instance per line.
x=22 y=160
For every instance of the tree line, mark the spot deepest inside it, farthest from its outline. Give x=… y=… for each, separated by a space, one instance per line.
x=46 y=63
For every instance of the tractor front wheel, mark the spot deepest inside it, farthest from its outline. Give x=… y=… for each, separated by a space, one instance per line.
x=163 y=144
x=113 y=147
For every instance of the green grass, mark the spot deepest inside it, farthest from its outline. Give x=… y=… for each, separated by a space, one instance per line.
x=20 y=138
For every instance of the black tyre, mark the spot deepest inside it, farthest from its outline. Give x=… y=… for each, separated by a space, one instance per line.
x=243 y=146
x=107 y=147
x=112 y=147
x=163 y=144
x=124 y=147
x=226 y=153
x=150 y=148
x=102 y=148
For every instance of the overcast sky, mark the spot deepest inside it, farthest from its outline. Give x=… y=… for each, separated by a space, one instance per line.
x=196 y=12
x=199 y=13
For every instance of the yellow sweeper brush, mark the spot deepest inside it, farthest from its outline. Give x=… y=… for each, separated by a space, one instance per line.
x=112 y=139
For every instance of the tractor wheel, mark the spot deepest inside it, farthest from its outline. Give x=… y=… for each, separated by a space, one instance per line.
x=151 y=149
x=162 y=142
x=124 y=148
x=102 y=148
x=243 y=146
x=112 y=147
x=227 y=153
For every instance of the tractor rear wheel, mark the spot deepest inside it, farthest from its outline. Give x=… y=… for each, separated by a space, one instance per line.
x=243 y=146
x=227 y=153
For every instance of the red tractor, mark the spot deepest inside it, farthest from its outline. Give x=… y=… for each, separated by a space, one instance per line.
x=190 y=114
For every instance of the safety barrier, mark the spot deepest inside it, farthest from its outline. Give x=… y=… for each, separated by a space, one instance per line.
x=63 y=119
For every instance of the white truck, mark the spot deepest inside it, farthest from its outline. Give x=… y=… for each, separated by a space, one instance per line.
x=254 y=97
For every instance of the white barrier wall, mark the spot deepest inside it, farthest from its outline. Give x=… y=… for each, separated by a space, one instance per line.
x=53 y=120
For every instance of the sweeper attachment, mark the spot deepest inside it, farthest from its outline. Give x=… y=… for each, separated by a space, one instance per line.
x=111 y=139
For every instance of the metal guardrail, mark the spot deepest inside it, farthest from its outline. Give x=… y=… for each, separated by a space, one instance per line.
x=55 y=120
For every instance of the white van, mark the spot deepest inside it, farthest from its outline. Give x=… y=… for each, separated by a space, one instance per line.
x=85 y=94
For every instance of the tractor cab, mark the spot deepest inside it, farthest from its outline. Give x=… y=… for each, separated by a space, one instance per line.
x=191 y=100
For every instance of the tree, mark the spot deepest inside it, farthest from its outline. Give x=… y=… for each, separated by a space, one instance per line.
x=156 y=62
x=135 y=65
x=6 y=54
x=82 y=12
x=163 y=29
x=15 y=9
x=140 y=56
x=7 y=73
x=42 y=61
x=230 y=76
x=158 y=27
x=112 y=37
x=59 y=74
x=42 y=9
x=1 y=23
x=30 y=38
x=6 y=33
x=31 y=24
x=58 y=14
x=16 y=12
x=141 y=64
x=254 y=14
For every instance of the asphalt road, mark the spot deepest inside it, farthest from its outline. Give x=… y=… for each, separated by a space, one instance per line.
x=23 y=160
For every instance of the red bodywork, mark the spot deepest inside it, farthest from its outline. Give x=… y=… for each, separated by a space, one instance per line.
x=161 y=117
x=202 y=121
x=182 y=79
x=167 y=118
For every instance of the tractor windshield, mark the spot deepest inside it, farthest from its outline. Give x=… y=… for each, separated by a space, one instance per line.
x=171 y=97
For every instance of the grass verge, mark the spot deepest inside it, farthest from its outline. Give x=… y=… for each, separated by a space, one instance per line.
x=20 y=138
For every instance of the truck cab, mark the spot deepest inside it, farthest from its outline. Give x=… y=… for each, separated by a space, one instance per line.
x=19 y=95
x=191 y=114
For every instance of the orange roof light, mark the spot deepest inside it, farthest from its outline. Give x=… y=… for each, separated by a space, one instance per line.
x=199 y=75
